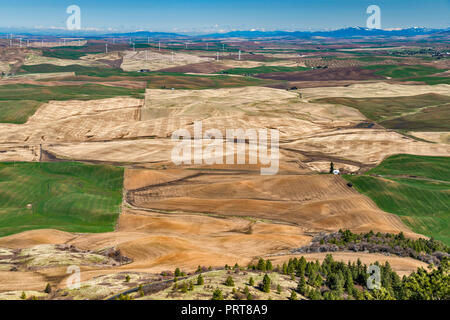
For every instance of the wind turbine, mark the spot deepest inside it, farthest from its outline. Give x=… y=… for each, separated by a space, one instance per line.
x=217 y=56
x=106 y=49
x=239 y=54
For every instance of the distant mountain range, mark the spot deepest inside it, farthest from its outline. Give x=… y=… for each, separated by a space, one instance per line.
x=340 y=33
x=351 y=32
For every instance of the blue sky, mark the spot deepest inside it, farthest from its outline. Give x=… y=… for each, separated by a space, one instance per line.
x=223 y=15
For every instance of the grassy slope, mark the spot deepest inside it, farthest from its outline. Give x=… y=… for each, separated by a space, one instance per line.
x=70 y=92
x=429 y=119
x=216 y=279
x=17 y=111
x=423 y=203
x=63 y=54
x=402 y=71
x=66 y=196
x=390 y=112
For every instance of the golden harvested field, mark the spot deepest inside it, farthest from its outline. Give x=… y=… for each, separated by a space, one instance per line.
x=137 y=60
x=129 y=130
x=35 y=59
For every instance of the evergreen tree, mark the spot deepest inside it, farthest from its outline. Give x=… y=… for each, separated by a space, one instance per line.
x=48 y=288
x=349 y=281
x=266 y=284
x=261 y=265
x=200 y=280
x=318 y=281
x=251 y=281
x=217 y=294
x=301 y=288
x=293 y=295
x=285 y=269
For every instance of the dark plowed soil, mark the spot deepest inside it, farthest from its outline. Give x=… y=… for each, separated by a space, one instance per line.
x=348 y=73
x=202 y=67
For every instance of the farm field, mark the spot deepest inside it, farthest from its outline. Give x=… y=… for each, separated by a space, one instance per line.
x=413 y=187
x=427 y=112
x=21 y=92
x=87 y=177
x=65 y=196
x=265 y=69
x=403 y=72
x=15 y=111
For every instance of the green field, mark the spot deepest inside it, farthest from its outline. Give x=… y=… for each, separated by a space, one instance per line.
x=69 y=92
x=64 y=54
x=263 y=69
x=80 y=70
x=428 y=119
x=426 y=112
x=432 y=80
x=71 y=197
x=403 y=71
x=416 y=188
x=17 y=111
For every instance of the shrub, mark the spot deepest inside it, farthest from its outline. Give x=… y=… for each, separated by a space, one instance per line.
x=229 y=282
